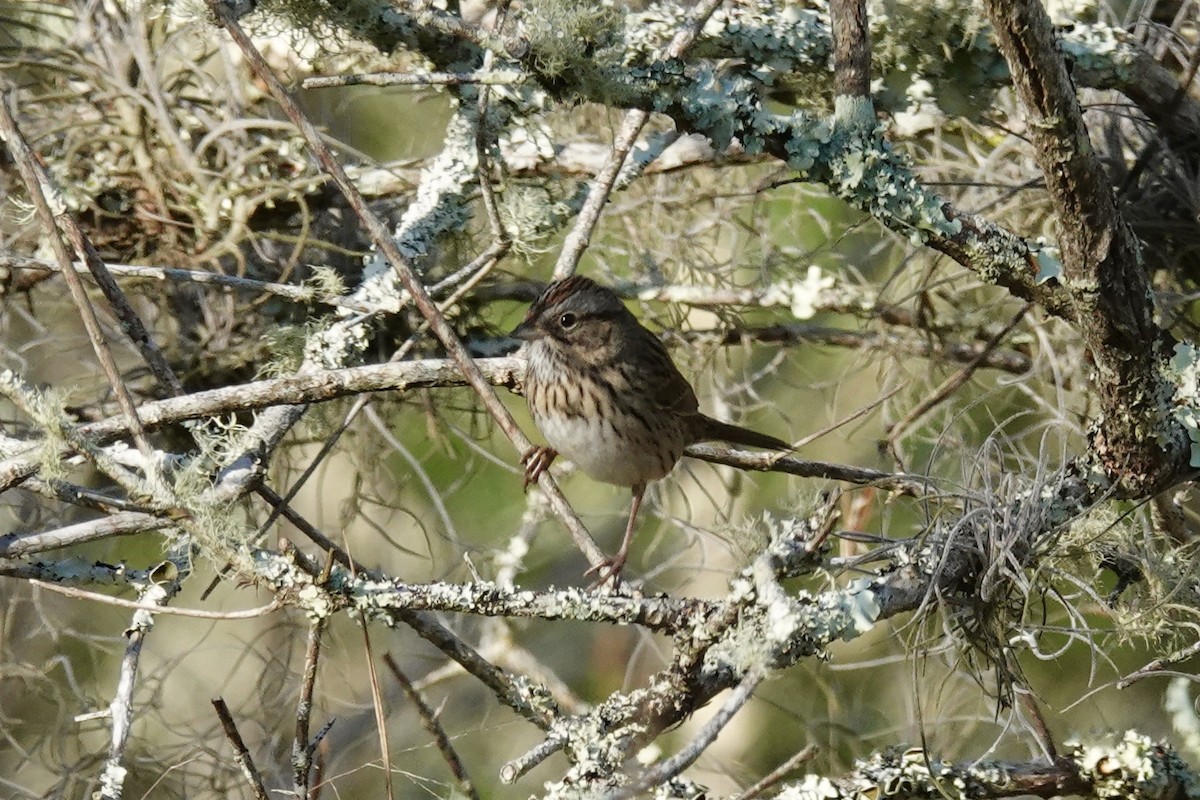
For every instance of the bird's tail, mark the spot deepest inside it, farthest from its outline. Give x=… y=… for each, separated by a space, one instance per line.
x=714 y=429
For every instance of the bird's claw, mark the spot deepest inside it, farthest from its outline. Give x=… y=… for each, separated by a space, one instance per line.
x=607 y=570
x=536 y=461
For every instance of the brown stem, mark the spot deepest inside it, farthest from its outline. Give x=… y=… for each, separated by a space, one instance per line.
x=851 y=48
x=1135 y=440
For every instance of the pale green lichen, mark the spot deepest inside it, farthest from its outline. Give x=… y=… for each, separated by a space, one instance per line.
x=567 y=34
x=317 y=604
x=778 y=627
x=811 y=787
x=869 y=174
x=44 y=407
x=808 y=140
x=1134 y=767
x=597 y=744
x=336 y=344
x=325 y=283
x=1049 y=263
x=1073 y=12
x=530 y=216
x=1100 y=53
x=112 y=780
x=1183 y=372
x=1179 y=706
x=768 y=37
x=284 y=347
x=941 y=42
x=441 y=206
x=723 y=106
x=806 y=294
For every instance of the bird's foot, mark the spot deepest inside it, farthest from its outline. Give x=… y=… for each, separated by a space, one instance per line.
x=536 y=460
x=607 y=570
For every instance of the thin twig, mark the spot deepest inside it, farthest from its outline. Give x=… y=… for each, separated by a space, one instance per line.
x=30 y=401
x=385 y=751
x=902 y=483
x=513 y=691
x=515 y=769
x=484 y=142
x=307 y=387
x=153 y=608
x=846 y=420
x=124 y=523
x=665 y=770
x=302 y=749
x=377 y=704
x=113 y=774
x=779 y=773
x=487 y=261
x=240 y=753
x=430 y=722
x=308 y=529
x=31 y=168
x=887 y=342
x=1159 y=665
x=1152 y=147
x=299 y=294
x=332 y=384
x=955 y=381
x=589 y=215
x=415 y=468
x=1038 y=723
x=480 y=267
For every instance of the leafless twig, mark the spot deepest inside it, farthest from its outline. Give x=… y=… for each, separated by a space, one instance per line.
x=955 y=381
x=299 y=294
x=240 y=753
x=302 y=748
x=579 y=237
x=37 y=184
x=779 y=773
x=430 y=722
x=156 y=608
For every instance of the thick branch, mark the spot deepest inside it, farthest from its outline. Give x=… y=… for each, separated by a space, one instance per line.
x=1110 y=289
x=851 y=48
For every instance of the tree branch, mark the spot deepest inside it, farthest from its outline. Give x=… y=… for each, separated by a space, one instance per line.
x=1137 y=440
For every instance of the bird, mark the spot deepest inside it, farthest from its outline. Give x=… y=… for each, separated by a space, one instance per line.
x=603 y=391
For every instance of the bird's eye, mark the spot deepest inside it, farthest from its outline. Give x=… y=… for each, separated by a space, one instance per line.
x=568 y=321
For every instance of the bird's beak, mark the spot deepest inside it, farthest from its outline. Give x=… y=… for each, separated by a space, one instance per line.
x=527 y=331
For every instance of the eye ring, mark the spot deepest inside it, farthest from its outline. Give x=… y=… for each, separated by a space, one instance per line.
x=568 y=321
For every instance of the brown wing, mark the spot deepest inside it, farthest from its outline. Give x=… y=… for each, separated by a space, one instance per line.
x=667 y=386
x=672 y=391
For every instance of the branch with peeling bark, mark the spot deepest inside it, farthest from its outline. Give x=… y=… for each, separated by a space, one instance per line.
x=1137 y=439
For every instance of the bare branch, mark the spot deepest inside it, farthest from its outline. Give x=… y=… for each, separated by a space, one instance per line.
x=430 y=722
x=156 y=608
x=240 y=752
